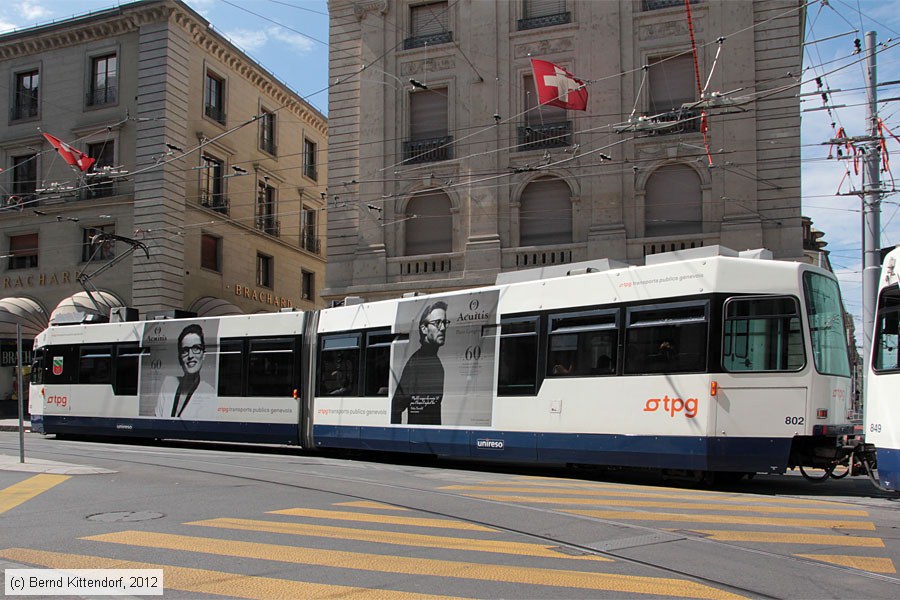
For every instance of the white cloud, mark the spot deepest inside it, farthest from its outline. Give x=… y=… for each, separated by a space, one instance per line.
x=6 y=26
x=248 y=39
x=254 y=39
x=299 y=42
x=32 y=11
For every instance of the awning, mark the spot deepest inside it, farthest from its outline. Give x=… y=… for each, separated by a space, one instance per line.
x=80 y=302
x=22 y=311
x=207 y=306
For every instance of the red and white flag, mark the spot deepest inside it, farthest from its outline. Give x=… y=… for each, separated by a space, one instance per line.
x=558 y=87
x=72 y=156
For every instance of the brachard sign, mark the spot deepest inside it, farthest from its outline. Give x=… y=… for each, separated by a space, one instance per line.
x=262 y=296
x=39 y=279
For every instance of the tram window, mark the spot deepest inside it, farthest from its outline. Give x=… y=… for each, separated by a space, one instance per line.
x=582 y=344
x=127 y=366
x=271 y=367
x=38 y=364
x=339 y=365
x=762 y=334
x=518 y=357
x=95 y=364
x=61 y=365
x=825 y=312
x=231 y=367
x=378 y=362
x=666 y=338
x=886 y=356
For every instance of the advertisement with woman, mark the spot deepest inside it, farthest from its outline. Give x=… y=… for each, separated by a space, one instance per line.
x=444 y=374
x=179 y=373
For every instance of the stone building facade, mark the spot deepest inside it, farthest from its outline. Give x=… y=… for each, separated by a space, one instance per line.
x=444 y=170
x=203 y=158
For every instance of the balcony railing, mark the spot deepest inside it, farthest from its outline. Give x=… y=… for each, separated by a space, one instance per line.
x=672 y=245
x=102 y=95
x=552 y=135
x=444 y=37
x=683 y=121
x=97 y=189
x=215 y=202
x=311 y=244
x=658 y=4
x=430 y=150
x=214 y=112
x=268 y=224
x=545 y=21
x=15 y=202
x=531 y=257
x=26 y=108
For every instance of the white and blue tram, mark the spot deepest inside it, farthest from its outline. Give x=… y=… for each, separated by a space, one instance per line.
x=697 y=363
x=882 y=391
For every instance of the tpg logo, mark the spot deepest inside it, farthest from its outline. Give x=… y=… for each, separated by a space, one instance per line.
x=490 y=444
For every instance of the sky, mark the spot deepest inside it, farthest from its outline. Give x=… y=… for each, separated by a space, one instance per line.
x=290 y=39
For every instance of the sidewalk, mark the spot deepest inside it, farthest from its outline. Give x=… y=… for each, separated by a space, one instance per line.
x=12 y=424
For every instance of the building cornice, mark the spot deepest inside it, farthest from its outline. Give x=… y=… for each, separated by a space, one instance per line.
x=230 y=56
x=130 y=18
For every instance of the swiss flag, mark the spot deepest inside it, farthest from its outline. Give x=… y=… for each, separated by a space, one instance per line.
x=558 y=87
x=72 y=156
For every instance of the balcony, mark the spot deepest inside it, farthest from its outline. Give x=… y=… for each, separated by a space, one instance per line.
x=538 y=137
x=15 y=202
x=544 y=21
x=430 y=150
x=311 y=244
x=216 y=202
x=532 y=257
x=102 y=95
x=268 y=224
x=444 y=37
x=658 y=4
x=97 y=189
x=216 y=113
x=425 y=267
x=683 y=121
x=26 y=108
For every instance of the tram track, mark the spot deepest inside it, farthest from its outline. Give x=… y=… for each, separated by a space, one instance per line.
x=644 y=535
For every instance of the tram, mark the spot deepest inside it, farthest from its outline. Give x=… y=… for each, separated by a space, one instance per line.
x=699 y=362
x=882 y=389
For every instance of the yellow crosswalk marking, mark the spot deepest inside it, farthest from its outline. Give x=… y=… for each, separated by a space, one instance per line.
x=863 y=563
x=772 y=537
x=389 y=537
x=847 y=512
x=370 y=518
x=620 y=493
x=23 y=491
x=368 y=504
x=730 y=519
x=202 y=581
x=420 y=567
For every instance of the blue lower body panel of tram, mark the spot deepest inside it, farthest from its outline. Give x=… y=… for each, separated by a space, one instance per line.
x=639 y=451
x=175 y=429
x=889 y=468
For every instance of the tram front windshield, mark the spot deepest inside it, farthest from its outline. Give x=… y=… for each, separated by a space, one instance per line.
x=826 y=324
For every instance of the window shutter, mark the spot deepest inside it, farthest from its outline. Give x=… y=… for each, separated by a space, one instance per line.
x=428 y=114
x=431 y=232
x=430 y=19
x=544 y=8
x=23 y=245
x=545 y=213
x=673 y=202
x=672 y=83
x=544 y=114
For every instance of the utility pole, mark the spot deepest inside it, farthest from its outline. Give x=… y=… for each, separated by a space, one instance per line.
x=871 y=204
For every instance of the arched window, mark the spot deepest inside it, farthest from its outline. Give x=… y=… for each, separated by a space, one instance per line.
x=429 y=228
x=545 y=213
x=673 y=202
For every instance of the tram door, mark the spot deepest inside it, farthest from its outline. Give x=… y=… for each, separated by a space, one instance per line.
x=763 y=389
